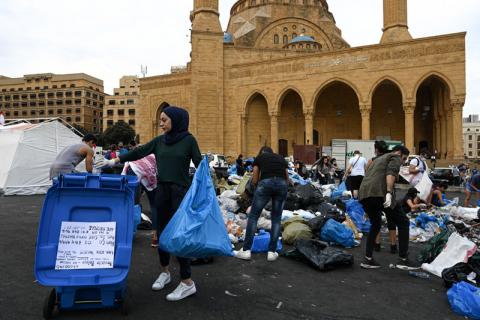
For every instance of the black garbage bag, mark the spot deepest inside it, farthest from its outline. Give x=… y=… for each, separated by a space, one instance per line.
x=305 y=193
x=330 y=211
x=457 y=273
x=339 y=204
x=314 y=207
x=317 y=223
x=244 y=201
x=435 y=245
x=292 y=202
x=320 y=255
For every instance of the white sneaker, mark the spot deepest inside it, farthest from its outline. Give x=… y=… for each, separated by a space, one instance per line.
x=241 y=254
x=182 y=291
x=272 y=256
x=162 y=280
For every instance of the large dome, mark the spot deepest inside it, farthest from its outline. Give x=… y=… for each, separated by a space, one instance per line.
x=274 y=24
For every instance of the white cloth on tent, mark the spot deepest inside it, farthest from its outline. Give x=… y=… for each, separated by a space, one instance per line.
x=28 y=150
x=458 y=249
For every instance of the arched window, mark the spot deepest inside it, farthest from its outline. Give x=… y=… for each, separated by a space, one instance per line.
x=276 y=39
x=285 y=39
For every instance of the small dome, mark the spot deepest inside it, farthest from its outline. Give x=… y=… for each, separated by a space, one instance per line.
x=302 y=38
x=227 y=38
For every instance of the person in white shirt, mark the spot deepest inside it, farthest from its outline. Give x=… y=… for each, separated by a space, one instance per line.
x=355 y=172
x=417 y=167
x=2 y=119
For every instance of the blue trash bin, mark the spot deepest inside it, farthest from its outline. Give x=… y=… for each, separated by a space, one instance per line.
x=86 y=198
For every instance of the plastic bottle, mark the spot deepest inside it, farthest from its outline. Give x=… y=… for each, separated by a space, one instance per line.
x=419 y=274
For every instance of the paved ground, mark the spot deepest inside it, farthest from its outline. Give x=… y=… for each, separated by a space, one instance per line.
x=228 y=288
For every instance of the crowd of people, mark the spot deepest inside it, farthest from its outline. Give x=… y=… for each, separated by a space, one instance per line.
x=162 y=166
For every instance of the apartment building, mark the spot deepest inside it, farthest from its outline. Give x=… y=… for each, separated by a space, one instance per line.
x=77 y=98
x=471 y=136
x=123 y=105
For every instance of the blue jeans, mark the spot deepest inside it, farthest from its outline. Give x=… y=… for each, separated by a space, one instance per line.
x=272 y=188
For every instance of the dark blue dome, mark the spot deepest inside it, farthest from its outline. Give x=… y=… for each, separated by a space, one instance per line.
x=302 y=39
x=227 y=38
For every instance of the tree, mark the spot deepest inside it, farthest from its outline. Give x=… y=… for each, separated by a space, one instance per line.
x=120 y=131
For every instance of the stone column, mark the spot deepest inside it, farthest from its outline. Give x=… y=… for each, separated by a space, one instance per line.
x=457 y=128
x=366 y=110
x=274 y=131
x=243 y=130
x=443 y=139
x=449 y=134
x=308 y=127
x=409 y=109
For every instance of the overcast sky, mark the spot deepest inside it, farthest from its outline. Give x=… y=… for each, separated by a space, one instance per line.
x=111 y=38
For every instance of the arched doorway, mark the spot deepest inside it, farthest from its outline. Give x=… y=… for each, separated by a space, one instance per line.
x=258 y=124
x=387 y=117
x=157 y=131
x=337 y=114
x=291 y=122
x=432 y=125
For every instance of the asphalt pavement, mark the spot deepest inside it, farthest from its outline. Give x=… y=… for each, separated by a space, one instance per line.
x=228 y=288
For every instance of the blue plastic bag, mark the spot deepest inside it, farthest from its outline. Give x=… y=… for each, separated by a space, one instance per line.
x=423 y=219
x=357 y=214
x=262 y=240
x=232 y=170
x=338 y=233
x=464 y=299
x=339 y=191
x=197 y=229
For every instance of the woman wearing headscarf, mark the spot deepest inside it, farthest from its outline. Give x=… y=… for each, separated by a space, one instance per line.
x=173 y=152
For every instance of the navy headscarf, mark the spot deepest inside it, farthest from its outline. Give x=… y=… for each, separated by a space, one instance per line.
x=180 y=121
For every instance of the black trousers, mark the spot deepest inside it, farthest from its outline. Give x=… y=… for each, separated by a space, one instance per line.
x=168 y=199
x=373 y=207
x=396 y=218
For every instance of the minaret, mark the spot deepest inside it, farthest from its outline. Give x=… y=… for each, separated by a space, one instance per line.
x=207 y=76
x=395 y=24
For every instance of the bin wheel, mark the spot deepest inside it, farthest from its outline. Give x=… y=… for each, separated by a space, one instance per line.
x=125 y=306
x=49 y=304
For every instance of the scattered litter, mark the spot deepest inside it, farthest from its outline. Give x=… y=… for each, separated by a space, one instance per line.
x=228 y=293
x=279 y=304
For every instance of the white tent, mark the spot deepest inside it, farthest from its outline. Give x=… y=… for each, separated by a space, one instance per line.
x=27 y=152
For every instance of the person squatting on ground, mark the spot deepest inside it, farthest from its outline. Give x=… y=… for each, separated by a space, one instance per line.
x=377 y=192
x=323 y=170
x=69 y=158
x=355 y=173
x=472 y=186
x=270 y=176
x=173 y=152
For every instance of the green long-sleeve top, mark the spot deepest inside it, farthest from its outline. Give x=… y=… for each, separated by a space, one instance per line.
x=173 y=161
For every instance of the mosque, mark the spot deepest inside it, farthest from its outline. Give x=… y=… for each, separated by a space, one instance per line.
x=283 y=75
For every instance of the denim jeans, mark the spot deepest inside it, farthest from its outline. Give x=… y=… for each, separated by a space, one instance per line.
x=272 y=188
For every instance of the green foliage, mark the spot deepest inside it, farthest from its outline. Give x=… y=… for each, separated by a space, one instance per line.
x=119 y=132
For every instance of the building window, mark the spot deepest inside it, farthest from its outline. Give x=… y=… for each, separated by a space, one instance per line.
x=15 y=104
x=131 y=112
x=69 y=119
x=285 y=39
x=77 y=110
x=59 y=102
x=470 y=154
x=121 y=112
x=41 y=112
x=109 y=112
x=33 y=96
x=78 y=101
x=77 y=119
x=131 y=122
x=88 y=102
x=78 y=93
x=72 y=85
x=59 y=111
x=15 y=113
x=50 y=103
x=24 y=104
x=54 y=86
x=276 y=39
x=95 y=96
x=470 y=137
x=134 y=93
x=7 y=113
x=50 y=95
x=64 y=85
x=32 y=112
x=45 y=87
x=88 y=94
x=470 y=146
x=59 y=94
x=41 y=104
x=109 y=123
x=130 y=101
x=116 y=93
x=68 y=102
x=127 y=93
x=33 y=104
x=24 y=113
x=111 y=102
x=15 y=97
x=122 y=102
x=50 y=112
x=68 y=94
x=69 y=111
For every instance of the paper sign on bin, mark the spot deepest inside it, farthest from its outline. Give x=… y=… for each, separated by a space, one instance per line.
x=86 y=245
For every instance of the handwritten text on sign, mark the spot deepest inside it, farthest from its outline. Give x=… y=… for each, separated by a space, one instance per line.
x=86 y=245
